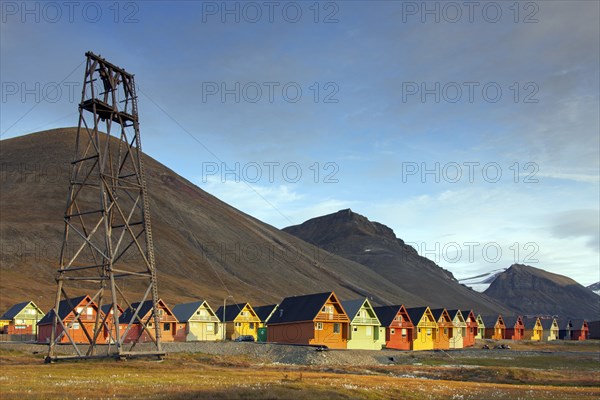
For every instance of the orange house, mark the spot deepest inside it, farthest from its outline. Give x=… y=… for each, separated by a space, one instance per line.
x=494 y=327
x=109 y=323
x=167 y=328
x=79 y=319
x=471 y=331
x=445 y=328
x=514 y=328
x=314 y=319
x=398 y=326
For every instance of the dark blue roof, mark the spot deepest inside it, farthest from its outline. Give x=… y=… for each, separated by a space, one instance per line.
x=452 y=314
x=352 y=307
x=14 y=310
x=63 y=310
x=263 y=312
x=183 y=312
x=489 y=320
x=129 y=313
x=415 y=314
x=299 y=308
x=386 y=314
x=510 y=321
x=231 y=311
x=530 y=323
x=546 y=322
x=437 y=313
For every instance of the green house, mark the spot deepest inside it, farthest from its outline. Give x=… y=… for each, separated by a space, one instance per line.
x=365 y=330
x=21 y=319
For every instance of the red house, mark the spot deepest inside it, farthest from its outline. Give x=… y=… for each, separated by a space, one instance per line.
x=168 y=323
x=398 y=326
x=579 y=329
x=515 y=328
x=79 y=321
x=471 y=333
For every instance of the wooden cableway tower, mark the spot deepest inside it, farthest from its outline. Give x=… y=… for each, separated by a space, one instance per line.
x=107 y=249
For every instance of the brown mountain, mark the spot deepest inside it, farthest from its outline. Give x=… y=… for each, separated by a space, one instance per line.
x=532 y=291
x=352 y=236
x=204 y=247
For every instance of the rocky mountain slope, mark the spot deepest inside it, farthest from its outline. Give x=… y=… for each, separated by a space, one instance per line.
x=353 y=236
x=204 y=247
x=534 y=291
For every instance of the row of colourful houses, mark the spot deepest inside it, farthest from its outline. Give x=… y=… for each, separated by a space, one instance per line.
x=317 y=319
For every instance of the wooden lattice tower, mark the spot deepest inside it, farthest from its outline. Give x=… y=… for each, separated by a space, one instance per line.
x=107 y=246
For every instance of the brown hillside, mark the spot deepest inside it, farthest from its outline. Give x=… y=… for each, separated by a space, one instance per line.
x=353 y=236
x=534 y=291
x=204 y=247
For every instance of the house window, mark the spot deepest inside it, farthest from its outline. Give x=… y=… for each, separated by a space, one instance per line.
x=89 y=311
x=369 y=330
x=245 y=314
x=161 y=312
x=399 y=318
x=428 y=331
x=327 y=309
x=355 y=329
x=79 y=310
x=392 y=331
x=363 y=313
x=403 y=333
x=166 y=326
x=319 y=326
x=210 y=327
x=445 y=331
x=75 y=325
x=251 y=325
x=336 y=328
x=238 y=324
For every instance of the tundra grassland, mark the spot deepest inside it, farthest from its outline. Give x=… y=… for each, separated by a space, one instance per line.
x=529 y=371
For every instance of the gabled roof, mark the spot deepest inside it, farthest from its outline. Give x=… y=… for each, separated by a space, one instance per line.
x=183 y=312
x=107 y=307
x=530 y=323
x=300 y=308
x=511 y=321
x=264 y=312
x=386 y=314
x=144 y=307
x=415 y=314
x=352 y=307
x=231 y=311
x=439 y=313
x=577 y=323
x=14 y=310
x=490 y=320
x=547 y=322
x=457 y=313
x=63 y=309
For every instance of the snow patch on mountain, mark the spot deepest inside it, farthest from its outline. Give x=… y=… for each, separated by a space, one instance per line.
x=481 y=282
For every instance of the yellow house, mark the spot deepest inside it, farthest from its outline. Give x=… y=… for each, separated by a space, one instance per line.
x=21 y=319
x=533 y=329
x=239 y=319
x=197 y=321
x=480 y=327
x=550 y=329
x=425 y=328
x=459 y=329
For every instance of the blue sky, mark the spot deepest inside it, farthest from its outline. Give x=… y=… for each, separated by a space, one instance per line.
x=472 y=132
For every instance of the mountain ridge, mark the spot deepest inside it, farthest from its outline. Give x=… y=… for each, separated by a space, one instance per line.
x=355 y=237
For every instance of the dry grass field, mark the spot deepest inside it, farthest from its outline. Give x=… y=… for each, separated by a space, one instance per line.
x=565 y=371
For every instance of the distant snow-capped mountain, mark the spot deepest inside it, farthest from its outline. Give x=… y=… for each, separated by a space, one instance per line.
x=481 y=282
x=595 y=287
